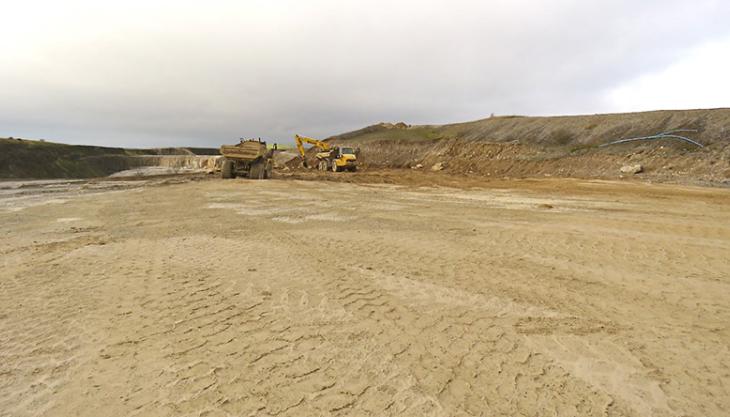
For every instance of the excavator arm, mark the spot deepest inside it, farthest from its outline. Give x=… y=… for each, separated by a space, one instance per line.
x=301 y=140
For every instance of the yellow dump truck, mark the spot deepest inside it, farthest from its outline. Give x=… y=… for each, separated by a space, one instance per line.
x=249 y=158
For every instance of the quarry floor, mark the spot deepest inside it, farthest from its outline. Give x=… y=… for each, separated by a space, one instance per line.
x=312 y=298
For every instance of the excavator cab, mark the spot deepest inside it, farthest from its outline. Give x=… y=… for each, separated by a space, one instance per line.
x=346 y=151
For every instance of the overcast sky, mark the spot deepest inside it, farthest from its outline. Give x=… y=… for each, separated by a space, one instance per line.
x=159 y=73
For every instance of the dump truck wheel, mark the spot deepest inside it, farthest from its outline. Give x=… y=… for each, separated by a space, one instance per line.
x=335 y=168
x=227 y=169
x=253 y=172
x=267 y=171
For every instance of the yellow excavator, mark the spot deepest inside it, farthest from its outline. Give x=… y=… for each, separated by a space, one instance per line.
x=333 y=158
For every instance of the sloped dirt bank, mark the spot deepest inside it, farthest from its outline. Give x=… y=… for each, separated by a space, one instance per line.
x=675 y=163
x=565 y=146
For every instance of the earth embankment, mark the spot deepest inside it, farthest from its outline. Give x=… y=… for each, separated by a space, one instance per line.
x=568 y=146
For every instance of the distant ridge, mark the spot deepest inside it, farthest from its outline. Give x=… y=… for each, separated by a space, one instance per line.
x=712 y=125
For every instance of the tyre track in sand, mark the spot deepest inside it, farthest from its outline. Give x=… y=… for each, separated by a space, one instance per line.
x=291 y=298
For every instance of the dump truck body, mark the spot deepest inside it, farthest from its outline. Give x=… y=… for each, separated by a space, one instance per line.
x=250 y=159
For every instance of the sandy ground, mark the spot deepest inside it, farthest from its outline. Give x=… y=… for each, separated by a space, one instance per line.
x=307 y=298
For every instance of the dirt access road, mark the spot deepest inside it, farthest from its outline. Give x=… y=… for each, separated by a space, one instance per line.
x=306 y=298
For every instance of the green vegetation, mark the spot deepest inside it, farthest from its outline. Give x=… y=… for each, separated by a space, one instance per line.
x=560 y=136
x=40 y=159
x=282 y=146
x=36 y=159
x=380 y=132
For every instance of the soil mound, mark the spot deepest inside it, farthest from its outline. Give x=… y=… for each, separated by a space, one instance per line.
x=568 y=146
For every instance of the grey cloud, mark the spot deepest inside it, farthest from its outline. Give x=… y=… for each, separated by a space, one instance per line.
x=271 y=69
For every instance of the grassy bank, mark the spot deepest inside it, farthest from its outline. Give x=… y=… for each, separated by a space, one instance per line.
x=40 y=159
